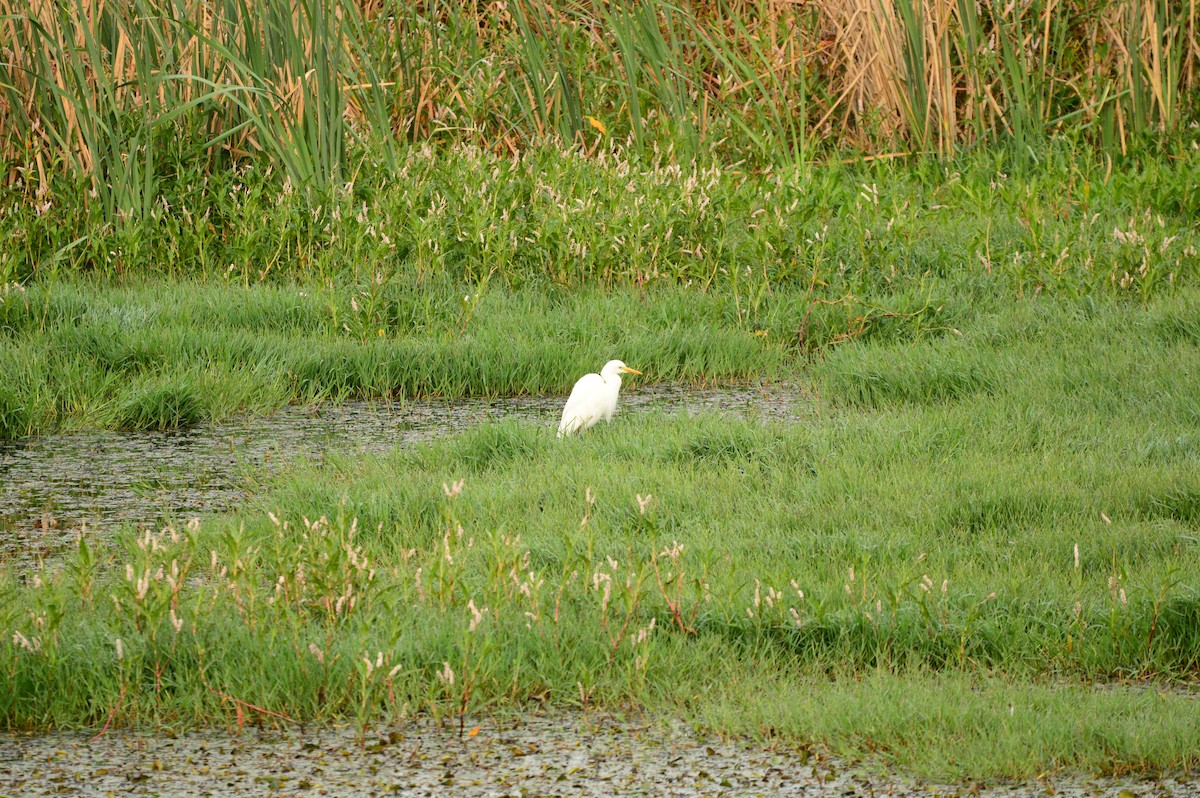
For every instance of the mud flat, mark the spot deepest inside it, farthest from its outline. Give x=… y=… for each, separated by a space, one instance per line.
x=539 y=754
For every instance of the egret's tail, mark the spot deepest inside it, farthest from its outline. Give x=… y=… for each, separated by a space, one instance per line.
x=569 y=426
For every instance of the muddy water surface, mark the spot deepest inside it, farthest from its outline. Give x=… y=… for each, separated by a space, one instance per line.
x=538 y=754
x=50 y=486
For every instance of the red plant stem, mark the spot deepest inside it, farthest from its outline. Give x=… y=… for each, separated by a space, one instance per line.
x=111 y=714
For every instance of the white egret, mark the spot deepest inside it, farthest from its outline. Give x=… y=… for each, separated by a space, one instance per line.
x=593 y=398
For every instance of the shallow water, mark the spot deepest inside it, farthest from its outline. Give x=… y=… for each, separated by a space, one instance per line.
x=594 y=754
x=51 y=486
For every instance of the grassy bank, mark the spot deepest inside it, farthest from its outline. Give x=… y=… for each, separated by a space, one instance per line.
x=476 y=276
x=168 y=355
x=966 y=533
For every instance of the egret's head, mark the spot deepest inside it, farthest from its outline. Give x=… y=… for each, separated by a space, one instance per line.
x=615 y=368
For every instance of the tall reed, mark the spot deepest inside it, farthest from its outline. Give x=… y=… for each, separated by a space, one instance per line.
x=95 y=88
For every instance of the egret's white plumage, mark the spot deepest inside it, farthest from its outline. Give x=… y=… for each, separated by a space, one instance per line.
x=594 y=398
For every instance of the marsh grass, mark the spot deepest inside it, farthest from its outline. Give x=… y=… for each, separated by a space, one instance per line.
x=990 y=507
x=477 y=278
x=474 y=276
x=466 y=217
x=15 y=412
x=160 y=403
x=163 y=355
x=951 y=725
x=933 y=576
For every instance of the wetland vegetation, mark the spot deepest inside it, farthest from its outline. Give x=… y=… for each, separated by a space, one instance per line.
x=973 y=553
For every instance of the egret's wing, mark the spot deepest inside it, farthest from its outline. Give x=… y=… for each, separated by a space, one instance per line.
x=584 y=406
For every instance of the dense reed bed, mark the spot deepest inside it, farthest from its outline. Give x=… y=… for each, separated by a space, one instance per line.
x=124 y=95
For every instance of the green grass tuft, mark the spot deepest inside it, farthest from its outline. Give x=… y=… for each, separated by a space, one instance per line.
x=872 y=375
x=161 y=403
x=495 y=446
x=16 y=419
